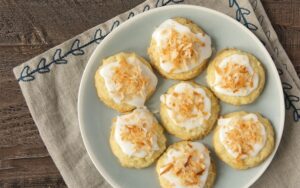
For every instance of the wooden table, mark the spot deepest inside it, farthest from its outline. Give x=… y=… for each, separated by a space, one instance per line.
x=30 y=28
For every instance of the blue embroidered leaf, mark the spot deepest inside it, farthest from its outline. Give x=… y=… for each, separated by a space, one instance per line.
x=25 y=75
x=157 y=2
x=115 y=25
x=244 y=11
x=231 y=3
x=75 y=49
x=254 y=4
x=166 y=2
x=98 y=36
x=290 y=101
x=268 y=34
x=57 y=58
x=276 y=51
x=293 y=98
x=130 y=15
x=287 y=102
x=42 y=67
x=251 y=26
x=147 y=7
x=238 y=15
x=176 y=1
x=261 y=19
x=296 y=115
x=286 y=86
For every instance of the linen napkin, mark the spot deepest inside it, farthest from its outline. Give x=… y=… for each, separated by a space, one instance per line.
x=50 y=83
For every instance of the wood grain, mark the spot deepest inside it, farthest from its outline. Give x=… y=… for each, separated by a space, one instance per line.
x=28 y=28
x=285 y=18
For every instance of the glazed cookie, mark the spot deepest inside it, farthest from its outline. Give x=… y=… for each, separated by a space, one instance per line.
x=124 y=81
x=186 y=164
x=236 y=77
x=243 y=140
x=189 y=110
x=137 y=139
x=179 y=49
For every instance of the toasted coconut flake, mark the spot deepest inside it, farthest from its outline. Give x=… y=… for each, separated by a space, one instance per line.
x=180 y=49
x=235 y=77
x=188 y=167
x=187 y=105
x=139 y=135
x=129 y=80
x=188 y=160
x=168 y=167
x=242 y=138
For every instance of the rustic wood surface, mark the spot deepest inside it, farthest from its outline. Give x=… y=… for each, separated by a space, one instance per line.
x=28 y=28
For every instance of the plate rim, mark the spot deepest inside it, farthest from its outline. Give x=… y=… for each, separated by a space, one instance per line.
x=126 y=23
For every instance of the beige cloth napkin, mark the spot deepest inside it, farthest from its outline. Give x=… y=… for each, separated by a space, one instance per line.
x=50 y=82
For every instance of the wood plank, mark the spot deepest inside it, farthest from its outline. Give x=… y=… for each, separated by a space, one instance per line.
x=285 y=17
x=26 y=30
x=290 y=40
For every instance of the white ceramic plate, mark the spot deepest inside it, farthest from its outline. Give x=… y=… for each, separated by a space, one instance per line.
x=134 y=35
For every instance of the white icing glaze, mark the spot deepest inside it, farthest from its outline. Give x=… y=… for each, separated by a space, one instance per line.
x=107 y=72
x=240 y=60
x=161 y=36
x=138 y=117
x=227 y=124
x=174 y=179
x=175 y=115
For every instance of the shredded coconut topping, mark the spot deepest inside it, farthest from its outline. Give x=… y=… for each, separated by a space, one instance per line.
x=235 y=77
x=243 y=136
x=188 y=166
x=189 y=104
x=129 y=80
x=180 y=49
x=140 y=135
